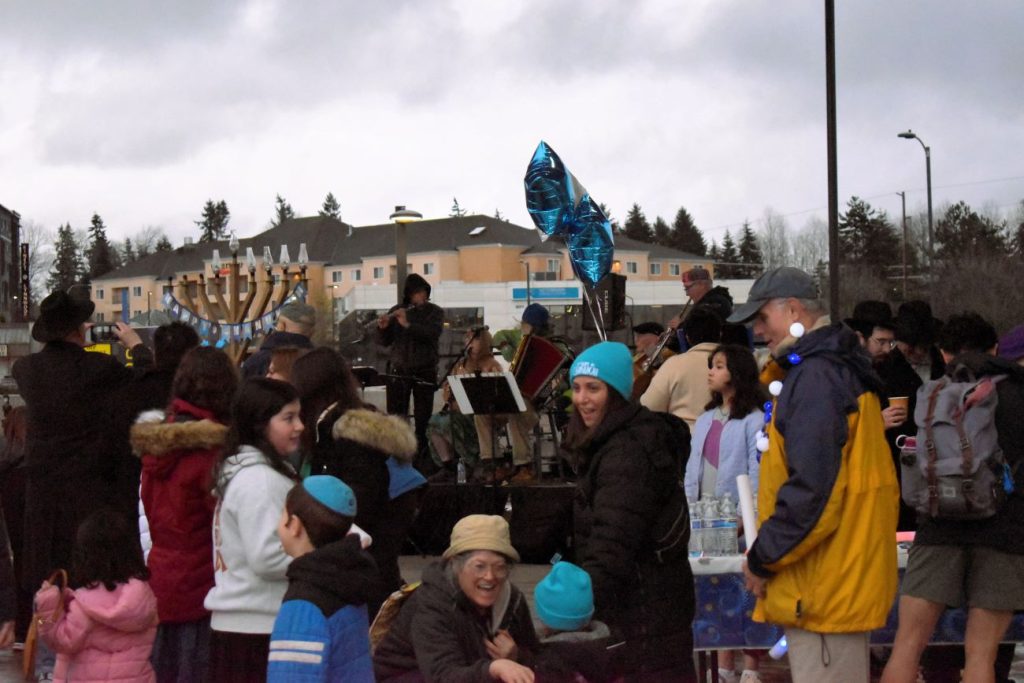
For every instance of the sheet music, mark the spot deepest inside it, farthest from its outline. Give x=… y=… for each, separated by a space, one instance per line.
x=462 y=397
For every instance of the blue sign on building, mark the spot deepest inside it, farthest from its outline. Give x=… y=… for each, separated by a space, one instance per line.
x=546 y=293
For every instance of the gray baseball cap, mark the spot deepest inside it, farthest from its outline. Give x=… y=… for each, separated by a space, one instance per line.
x=781 y=283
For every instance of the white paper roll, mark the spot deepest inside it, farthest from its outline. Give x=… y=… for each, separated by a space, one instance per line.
x=747 y=508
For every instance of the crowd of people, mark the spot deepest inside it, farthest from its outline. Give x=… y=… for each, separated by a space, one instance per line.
x=272 y=503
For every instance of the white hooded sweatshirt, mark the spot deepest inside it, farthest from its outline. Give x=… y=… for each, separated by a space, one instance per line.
x=249 y=562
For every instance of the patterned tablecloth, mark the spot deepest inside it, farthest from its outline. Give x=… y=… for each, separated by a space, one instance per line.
x=722 y=619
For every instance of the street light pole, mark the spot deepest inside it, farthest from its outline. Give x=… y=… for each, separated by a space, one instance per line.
x=911 y=135
x=402 y=217
x=903 y=199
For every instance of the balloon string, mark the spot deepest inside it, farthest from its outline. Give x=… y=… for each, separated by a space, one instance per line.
x=597 y=317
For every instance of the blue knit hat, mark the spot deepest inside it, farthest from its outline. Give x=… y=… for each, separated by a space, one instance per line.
x=332 y=492
x=565 y=598
x=535 y=315
x=609 y=362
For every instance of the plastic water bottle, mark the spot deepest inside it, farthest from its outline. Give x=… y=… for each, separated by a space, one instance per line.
x=709 y=530
x=779 y=648
x=728 y=541
x=461 y=472
x=695 y=537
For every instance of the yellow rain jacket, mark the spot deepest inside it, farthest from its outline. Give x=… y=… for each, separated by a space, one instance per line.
x=828 y=496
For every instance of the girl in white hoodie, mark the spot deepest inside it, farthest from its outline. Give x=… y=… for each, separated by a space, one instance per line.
x=249 y=562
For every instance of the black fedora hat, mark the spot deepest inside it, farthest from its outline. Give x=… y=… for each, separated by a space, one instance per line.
x=59 y=315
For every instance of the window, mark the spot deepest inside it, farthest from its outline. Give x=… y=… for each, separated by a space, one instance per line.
x=136 y=314
x=631 y=267
x=655 y=269
x=99 y=317
x=673 y=269
x=428 y=268
x=136 y=291
x=99 y=295
x=378 y=272
x=357 y=275
x=336 y=276
x=553 y=264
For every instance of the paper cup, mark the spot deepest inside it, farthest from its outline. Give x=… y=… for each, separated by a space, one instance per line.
x=900 y=401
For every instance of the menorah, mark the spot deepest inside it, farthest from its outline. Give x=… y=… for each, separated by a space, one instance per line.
x=230 y=304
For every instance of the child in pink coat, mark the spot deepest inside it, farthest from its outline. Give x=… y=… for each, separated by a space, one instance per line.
x=108 y=625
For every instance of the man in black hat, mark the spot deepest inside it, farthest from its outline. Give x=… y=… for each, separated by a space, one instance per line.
x=72 y=459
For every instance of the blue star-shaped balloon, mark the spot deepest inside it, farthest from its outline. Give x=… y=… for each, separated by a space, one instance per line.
x=560 y=206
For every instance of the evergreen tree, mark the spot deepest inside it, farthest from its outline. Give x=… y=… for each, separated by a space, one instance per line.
x=67 y=261
x=127 y=251
x=637 y=227
x=686 y=236
x=662 y=232
x=282 y=212
x=163 y=244
x=713 y=252
x=729 y=257
x=457 y=211
x=616 y=228
x=962 y=232
x=331 y=207
x=214 y=224
x=1017 y=234
x=99 y=254
x=749 y=253
x=867 y=237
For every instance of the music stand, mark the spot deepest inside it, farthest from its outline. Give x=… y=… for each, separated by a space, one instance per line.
x=489 y=393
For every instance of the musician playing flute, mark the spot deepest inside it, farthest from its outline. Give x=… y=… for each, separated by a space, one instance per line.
x=412 y=329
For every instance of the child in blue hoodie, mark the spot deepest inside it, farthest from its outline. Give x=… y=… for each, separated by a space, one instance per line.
x=322 y=630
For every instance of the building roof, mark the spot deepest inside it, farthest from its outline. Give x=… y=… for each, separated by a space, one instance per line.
x=332 y=242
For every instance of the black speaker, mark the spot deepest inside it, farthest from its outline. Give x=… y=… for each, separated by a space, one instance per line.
x=610 y=297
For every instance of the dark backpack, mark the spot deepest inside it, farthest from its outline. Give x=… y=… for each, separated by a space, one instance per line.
x=957 y=470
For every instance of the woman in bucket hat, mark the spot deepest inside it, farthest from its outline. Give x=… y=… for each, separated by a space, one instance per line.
x=629 y=463
x=466 y=622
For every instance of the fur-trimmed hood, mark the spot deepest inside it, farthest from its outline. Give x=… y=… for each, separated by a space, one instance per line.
x=389 y=434
x=150 y=435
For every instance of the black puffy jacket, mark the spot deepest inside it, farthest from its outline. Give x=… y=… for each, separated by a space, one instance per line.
x=627 y=473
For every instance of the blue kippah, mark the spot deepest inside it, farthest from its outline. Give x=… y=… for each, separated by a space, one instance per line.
x=332 y=492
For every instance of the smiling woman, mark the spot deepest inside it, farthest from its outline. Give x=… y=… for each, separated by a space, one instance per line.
x=467 y=622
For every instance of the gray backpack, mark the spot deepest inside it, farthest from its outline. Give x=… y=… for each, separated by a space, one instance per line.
x=957 y=469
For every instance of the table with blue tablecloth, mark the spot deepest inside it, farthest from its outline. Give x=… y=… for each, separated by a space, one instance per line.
x=722 y=620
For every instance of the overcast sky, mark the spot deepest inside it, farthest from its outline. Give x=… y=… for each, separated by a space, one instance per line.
x=142 y=111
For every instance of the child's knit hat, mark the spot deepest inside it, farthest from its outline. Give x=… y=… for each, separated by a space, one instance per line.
x=331 y=492
x=565 y=598
x=609 y=362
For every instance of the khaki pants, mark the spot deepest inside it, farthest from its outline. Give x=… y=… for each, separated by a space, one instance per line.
x=520 y=432
x=828 y=657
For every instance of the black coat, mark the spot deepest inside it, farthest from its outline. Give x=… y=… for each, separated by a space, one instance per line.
x=414 y=347
x=900 y=379
x=354 y=446
x=440 y=633
x=7 y=593
x=74 y=455
x=1005 y=530
x=627 y=474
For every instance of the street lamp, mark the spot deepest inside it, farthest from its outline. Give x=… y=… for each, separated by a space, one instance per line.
x=402 y=217
x=911 y=135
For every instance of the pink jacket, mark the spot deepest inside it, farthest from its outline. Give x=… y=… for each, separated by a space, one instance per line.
x=102 y=635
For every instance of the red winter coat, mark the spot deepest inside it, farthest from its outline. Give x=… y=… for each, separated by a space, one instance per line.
x=103 y=636
x=178 y=456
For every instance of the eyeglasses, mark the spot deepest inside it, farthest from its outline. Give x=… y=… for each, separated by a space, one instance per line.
x=884 y=343
x=480 y=569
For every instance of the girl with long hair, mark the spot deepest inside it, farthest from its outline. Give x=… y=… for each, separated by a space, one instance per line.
x=251 y=481
x=370 y=451
x=179 y=450
x=724 y=446
x=109 y=620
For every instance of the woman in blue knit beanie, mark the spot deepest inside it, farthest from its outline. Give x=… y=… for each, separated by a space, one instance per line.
x=629 y=463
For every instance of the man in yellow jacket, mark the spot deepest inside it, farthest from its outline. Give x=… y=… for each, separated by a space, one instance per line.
x=824 y=562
